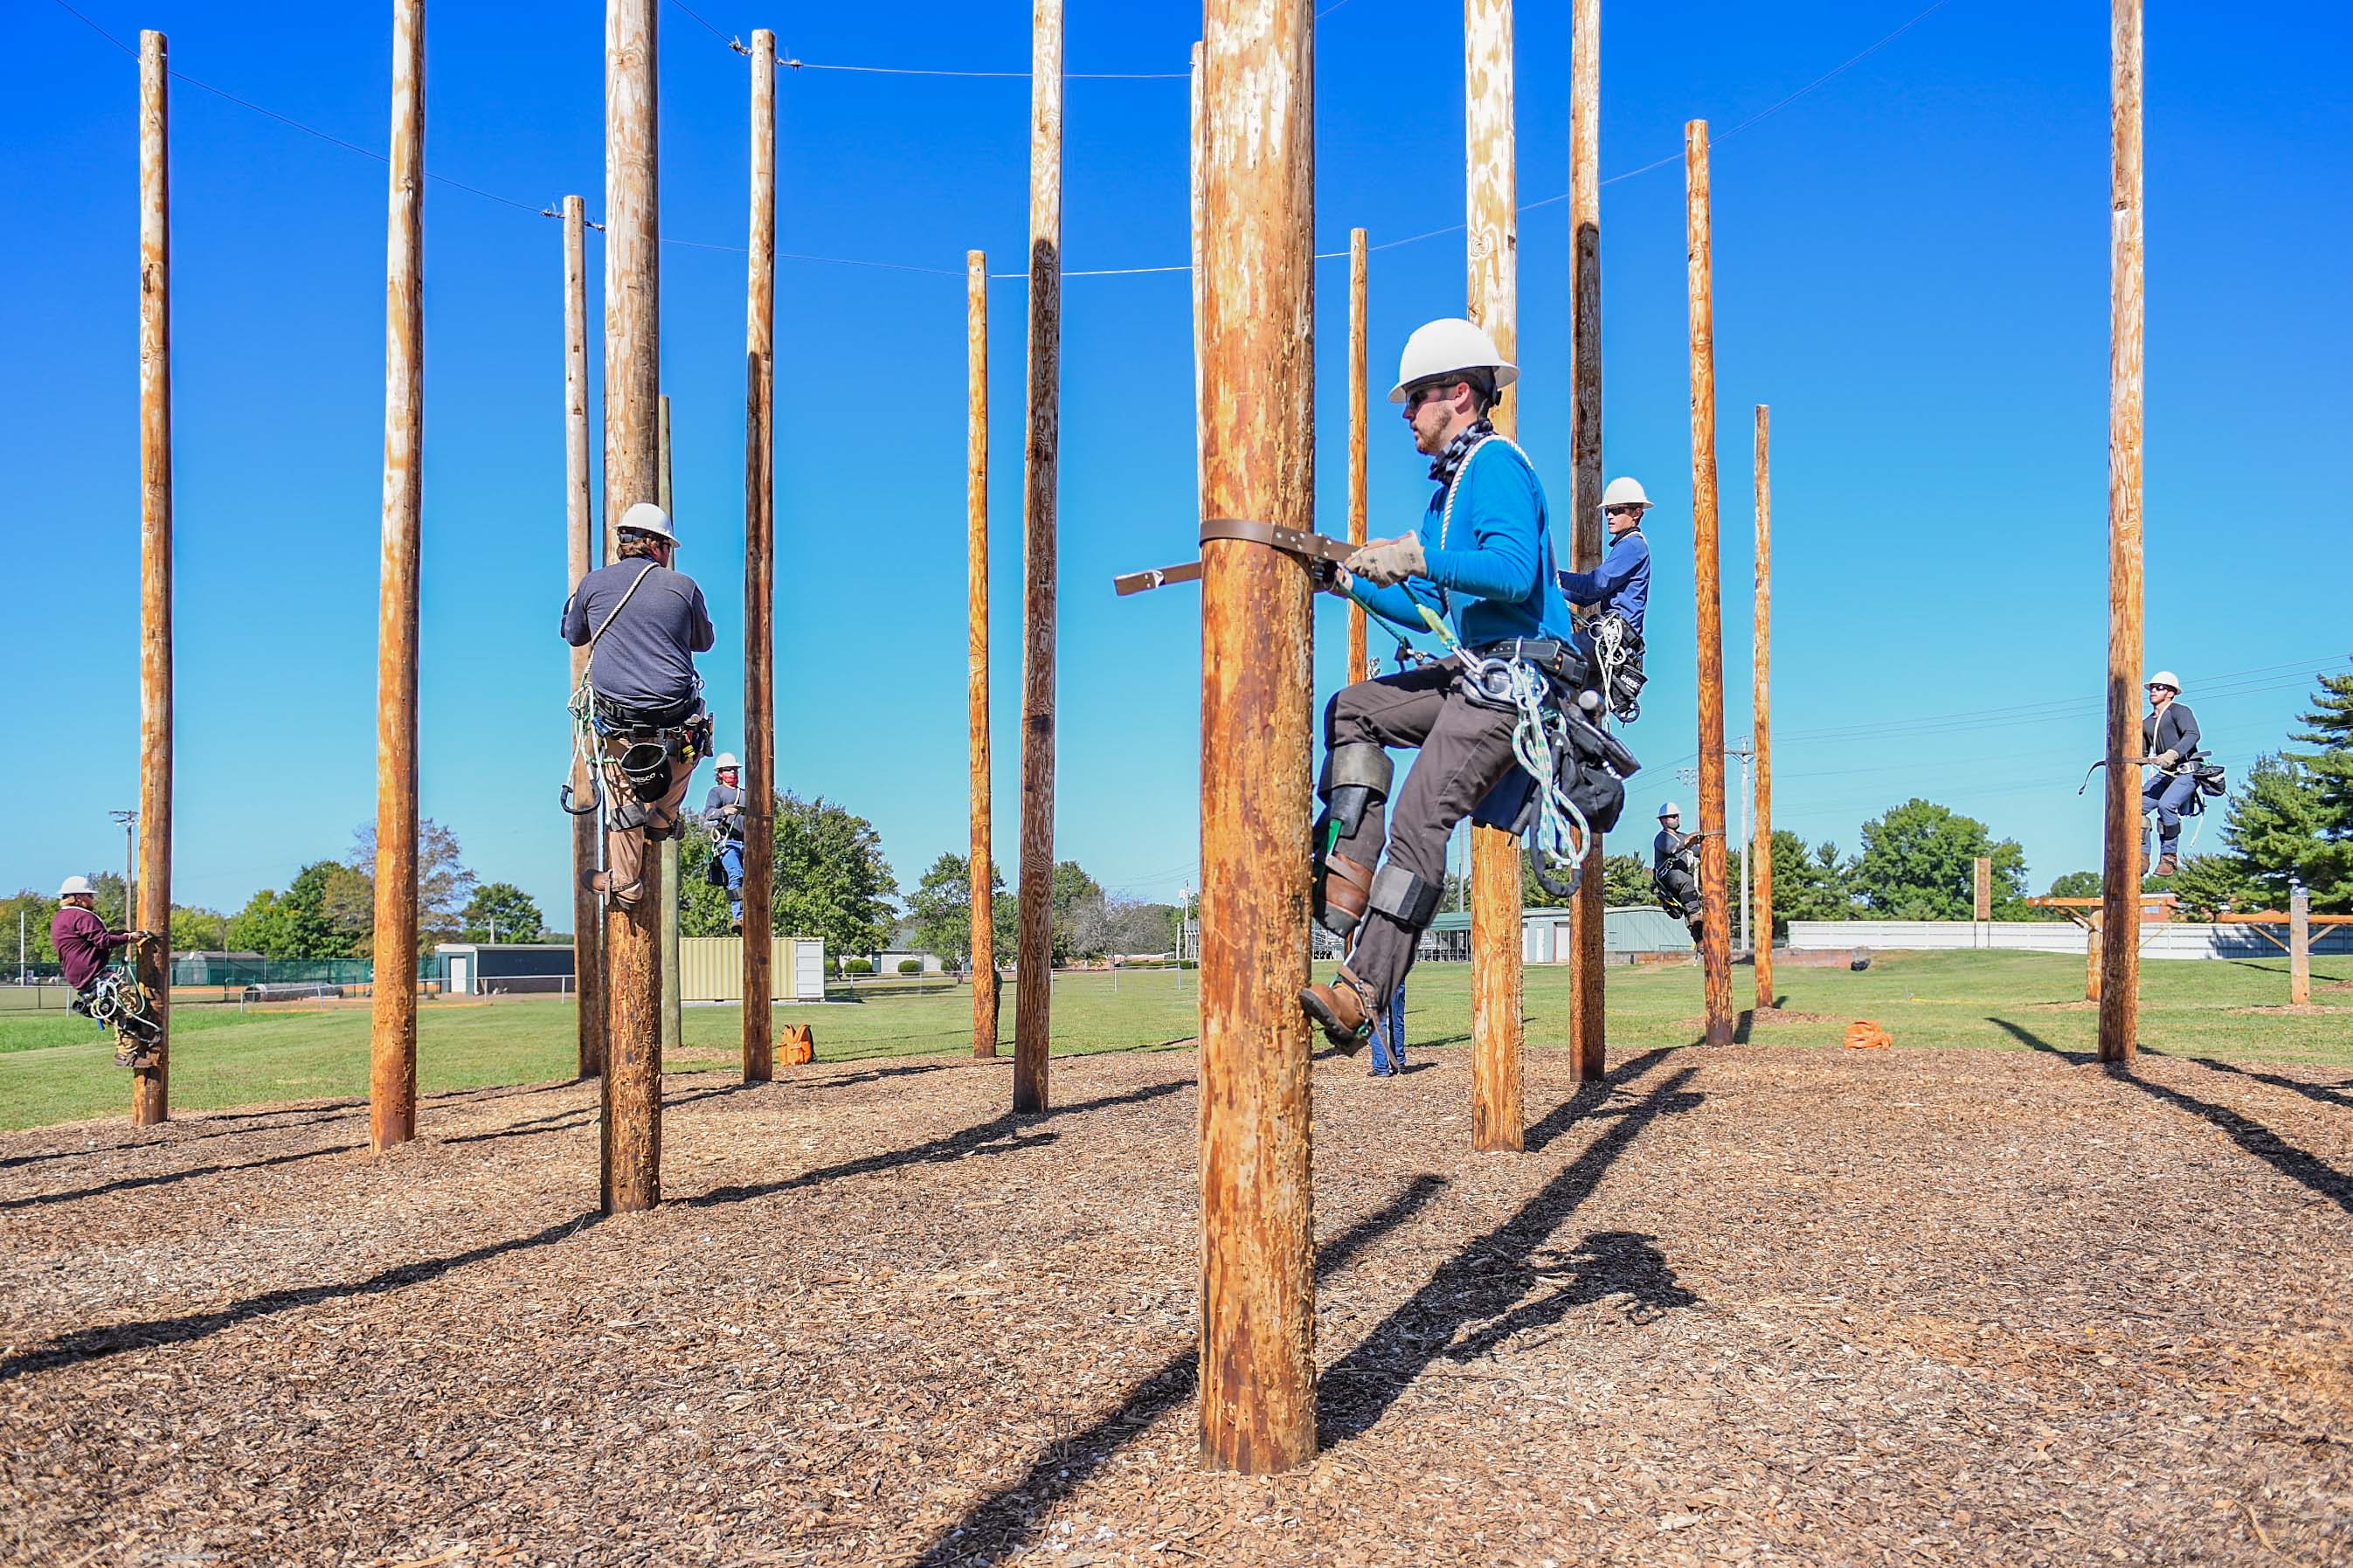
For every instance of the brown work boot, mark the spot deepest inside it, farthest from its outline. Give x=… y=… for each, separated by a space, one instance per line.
x=602 y=882
x=2166 y=865
x=1339 y=1010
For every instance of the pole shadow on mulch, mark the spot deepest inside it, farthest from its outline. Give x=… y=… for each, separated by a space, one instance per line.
x=1007 y=1519
x=1488 y=1277
x=1591 y=1097
x=1000 y=1134
x=2032 y=1041
x=167 y=1177
x=91 y=1344
x=2334 y=1095
x=2248 y=1134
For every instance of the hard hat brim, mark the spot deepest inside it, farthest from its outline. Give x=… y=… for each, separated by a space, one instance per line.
x=1505 y=375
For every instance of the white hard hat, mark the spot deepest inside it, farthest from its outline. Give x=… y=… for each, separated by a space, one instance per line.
x=726 y=760
x=1669 y=809
x=644 y=517
x=2165 y=678
x=1623 y=491
x=73 y=885
x=1444 y=346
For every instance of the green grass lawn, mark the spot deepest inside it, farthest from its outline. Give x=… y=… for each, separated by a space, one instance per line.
x=55 y=1068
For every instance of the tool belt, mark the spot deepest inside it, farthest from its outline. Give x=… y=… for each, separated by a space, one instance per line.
x=615 y=716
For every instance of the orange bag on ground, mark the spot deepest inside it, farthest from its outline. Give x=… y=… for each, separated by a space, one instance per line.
x=1862 y=1035
x=799 y=1045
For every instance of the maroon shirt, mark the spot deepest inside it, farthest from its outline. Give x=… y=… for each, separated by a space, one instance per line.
x=82 y=942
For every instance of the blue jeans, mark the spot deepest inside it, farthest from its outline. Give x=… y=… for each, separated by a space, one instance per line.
x=731 y=860
x=2167 y=795
x=1388 y=1040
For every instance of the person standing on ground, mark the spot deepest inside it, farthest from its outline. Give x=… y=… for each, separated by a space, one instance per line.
x=1483 y=557
x=642 y=623
x=722 y=813
x=2168 y=738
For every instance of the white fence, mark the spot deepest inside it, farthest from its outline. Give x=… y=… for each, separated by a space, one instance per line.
x=2182 y=939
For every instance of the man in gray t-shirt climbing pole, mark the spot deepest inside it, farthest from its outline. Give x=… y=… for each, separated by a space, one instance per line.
x=643 y=623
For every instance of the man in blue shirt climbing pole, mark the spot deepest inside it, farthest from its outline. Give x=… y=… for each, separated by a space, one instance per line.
x=1481 y=559
x=1618 y=593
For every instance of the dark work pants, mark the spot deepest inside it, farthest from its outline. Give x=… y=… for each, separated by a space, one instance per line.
x=1465 y=751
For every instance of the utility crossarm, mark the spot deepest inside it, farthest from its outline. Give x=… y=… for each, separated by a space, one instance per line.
x=2080 y=909
x=2264 y=920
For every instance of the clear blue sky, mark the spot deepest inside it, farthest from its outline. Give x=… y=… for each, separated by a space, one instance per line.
x=1911 y=269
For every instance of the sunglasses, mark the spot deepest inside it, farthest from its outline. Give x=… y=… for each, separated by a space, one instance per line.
x=1418 y=395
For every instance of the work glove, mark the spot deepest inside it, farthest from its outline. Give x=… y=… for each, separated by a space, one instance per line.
x=2166 y=759
x=1387 y=562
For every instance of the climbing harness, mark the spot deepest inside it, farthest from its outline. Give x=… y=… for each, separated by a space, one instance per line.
x=2213 y=780
x=116 y=1000
x=1618 y=654
x=653 y=735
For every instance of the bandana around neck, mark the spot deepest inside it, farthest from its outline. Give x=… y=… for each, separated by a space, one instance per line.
x=1458 y=451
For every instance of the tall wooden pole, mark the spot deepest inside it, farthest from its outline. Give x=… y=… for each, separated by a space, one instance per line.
x=1716 y=940
x=1033 y=993
x=2120 y=880
x=392 y=1071
x=150 y=1100
x=759 y=774
x=1760 y=846
x=981 y=866
x=581 y=557
x=1258 y=1277
x=632 y=1131
x=1498 y=1120
x=673 y=1008
x=2299 y=945
x=1587 y=1032
x=1359 y=422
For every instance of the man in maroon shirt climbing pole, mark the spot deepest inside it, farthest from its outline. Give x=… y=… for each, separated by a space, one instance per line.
x=84 y=947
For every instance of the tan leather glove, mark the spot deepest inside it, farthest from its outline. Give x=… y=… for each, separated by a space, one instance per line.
x=1386 y=562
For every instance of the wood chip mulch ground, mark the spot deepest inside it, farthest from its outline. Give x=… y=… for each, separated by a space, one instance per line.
x=1764 y=1304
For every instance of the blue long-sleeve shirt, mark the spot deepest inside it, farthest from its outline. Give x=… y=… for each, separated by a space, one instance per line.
x=1622 y=584
x=1495 y=553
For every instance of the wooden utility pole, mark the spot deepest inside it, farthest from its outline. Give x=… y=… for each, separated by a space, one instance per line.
x=581 y=556
x=980 y=877
x=392 y=1070
x=151 y=1100
x=1760 y=846
x=1587 y=1032
x=2299 y=945
x=2121 y=863
x=1716 y=938
x=1257 y=1275
x=1498 y=1120
x=632 y=1131
x=673 y=1009
x=2092 y=919
x=758 y=776
x=1033 y=982
x=1359 y=423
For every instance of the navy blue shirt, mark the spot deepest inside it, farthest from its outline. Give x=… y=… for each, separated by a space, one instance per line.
x=645 y=658
x=1622 y=584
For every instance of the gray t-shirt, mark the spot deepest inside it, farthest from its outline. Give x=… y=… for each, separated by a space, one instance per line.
x=645 y=658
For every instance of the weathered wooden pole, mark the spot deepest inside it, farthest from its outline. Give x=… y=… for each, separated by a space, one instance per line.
x=759 y=772
x=673 y=1007
x=2092 y=918
x=1587 y=1031
x=1257 y=1276
x=581 y=556
x=1033 y=983
x=150 y=1100
x=2121 y=863
x=1716 y=940
x=2299 y=945
x=1760 y=845
x=1498 y=1120
x=1359 y=422
x=631 y=1144
x=392 y=1070
x=981 y=866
